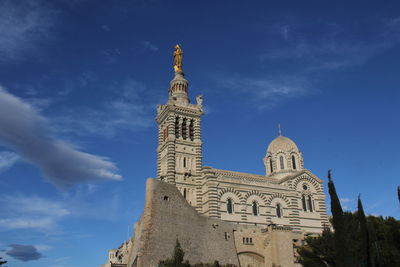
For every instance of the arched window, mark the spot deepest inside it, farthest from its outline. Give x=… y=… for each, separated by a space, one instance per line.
x=310 y=206
x=229 y=206
x=191 y=130
x=177 y=127
x=255 y=208
x=270 y=165
x=184 y=162
x=184 y=130
x=294 y=162
x=303 y=201
x=184 y=193
x=278 y=210
x=281 y=162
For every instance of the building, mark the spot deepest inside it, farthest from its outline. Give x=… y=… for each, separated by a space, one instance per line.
x=236 y=218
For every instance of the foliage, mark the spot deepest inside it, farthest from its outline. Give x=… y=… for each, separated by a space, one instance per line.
x=2 y=261
x=370 y=241
x=343 y=256
x=365 y=244
x=318 y=251
x=177 y=260
x=398 y=193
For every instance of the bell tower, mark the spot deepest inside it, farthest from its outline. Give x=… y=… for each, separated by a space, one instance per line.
x=179 y=151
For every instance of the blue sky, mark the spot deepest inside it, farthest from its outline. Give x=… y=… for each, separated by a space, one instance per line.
x=80 y=81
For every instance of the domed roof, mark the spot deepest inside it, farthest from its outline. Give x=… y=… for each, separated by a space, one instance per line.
x=282 y=143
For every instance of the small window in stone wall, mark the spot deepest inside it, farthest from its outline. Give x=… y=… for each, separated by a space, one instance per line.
x=303 y=202
x=227 y=236
x=282 y=165
x=279 y=212
x=191 y=130
x=310 y=204
x=229 y=206
x=255 y=208
x=184 y=130
x=270 y=165
x=177 y=127
x=294 y=162
x=247 y=240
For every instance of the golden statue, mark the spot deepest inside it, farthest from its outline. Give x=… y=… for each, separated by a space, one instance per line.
x=178 y=53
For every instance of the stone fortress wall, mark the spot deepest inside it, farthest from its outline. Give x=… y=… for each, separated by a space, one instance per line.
x=168 y=216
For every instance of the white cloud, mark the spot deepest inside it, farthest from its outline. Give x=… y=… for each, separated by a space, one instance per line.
x=105 y=28
x=346 y=200
x=327 y=55
x=150 y=46
x=30 y=212
x=336 y=47
x=23 y=25
x=131 y=110
x=7 y=160
x=31 y=136
x=269 y=92
x=42 y=247
x=284 y=31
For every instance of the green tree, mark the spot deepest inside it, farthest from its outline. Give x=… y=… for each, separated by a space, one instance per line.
x=368 y=240
x=343 y=256
x=385 y=240
x=318 y=251
x=364 y=241
x=177 y=258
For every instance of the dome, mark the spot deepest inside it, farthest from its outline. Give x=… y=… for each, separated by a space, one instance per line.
x=282 y=143
x=283 y=157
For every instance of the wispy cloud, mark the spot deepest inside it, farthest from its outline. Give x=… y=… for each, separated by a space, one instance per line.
x=336 y=47
x=346 y=200
x=32 y=137
x=150 y=46
x=327 y=55
x=269 y=92
x=105 y=28
x=284 y=31
x=24 y=252
x=48 y=215
x=7 y=160
x=132 y=109
x=304 y=56
x=23 y=25
x=30 y=212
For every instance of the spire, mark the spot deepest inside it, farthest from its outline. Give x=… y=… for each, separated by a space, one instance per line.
x=178 y=91
x=279 y=129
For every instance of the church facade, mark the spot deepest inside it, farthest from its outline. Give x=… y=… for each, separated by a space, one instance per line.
x=236 y=218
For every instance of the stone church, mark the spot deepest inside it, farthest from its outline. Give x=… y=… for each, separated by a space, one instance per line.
x=242 y=219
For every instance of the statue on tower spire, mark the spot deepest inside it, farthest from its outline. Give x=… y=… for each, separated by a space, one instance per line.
x=178 y=54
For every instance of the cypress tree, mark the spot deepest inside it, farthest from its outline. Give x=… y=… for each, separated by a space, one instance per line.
x=398 y=193
x=365 y=246
x=343 y=257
